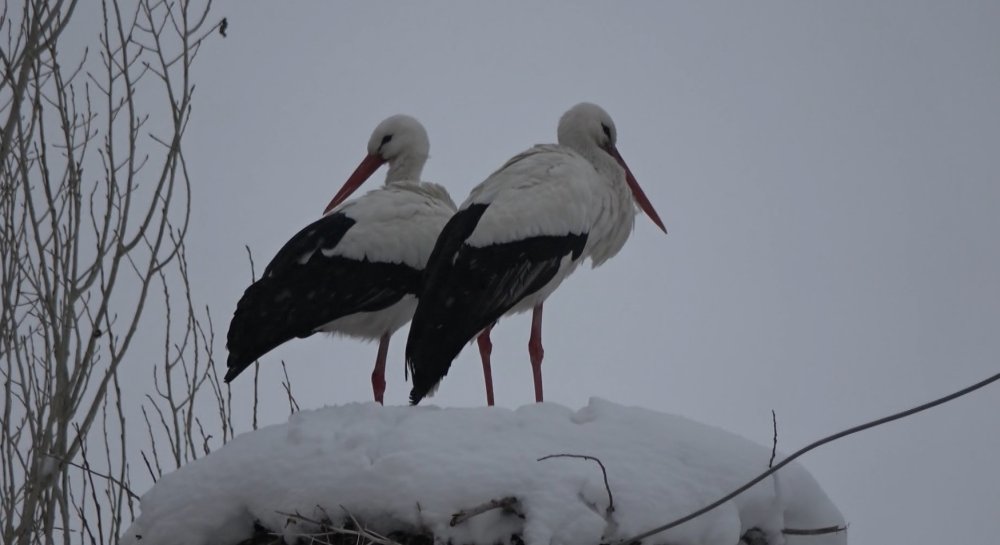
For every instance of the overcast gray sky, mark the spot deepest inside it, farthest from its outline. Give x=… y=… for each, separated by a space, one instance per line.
x=828 y=173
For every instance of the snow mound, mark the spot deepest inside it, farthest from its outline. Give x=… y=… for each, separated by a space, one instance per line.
x=412 y=468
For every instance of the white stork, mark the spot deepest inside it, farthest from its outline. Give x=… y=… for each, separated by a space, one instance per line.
x=355 y=271
x=518 y=235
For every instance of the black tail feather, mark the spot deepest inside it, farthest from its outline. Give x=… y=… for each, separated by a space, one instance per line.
x=277 y=309
x=466 y=289
x=259 y=325
x=428 y=355
x=235 y=368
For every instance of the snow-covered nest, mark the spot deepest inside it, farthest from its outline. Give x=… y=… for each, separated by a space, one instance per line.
x=411 y=469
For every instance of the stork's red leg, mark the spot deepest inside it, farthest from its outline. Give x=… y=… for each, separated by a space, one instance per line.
x=536 y=351
x=378 y=375
x=485 y=349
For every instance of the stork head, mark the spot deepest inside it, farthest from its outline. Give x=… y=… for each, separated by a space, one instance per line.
x=588 y=129
x=588 y=125
x=402 y=142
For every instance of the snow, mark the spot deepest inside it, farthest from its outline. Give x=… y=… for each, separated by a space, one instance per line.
x=412 y=468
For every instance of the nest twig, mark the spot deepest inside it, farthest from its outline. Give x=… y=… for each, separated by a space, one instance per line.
x=604 y=471
x=509 y=505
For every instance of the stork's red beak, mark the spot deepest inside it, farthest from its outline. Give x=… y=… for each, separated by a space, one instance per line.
x=367 y=167
x=640 y=197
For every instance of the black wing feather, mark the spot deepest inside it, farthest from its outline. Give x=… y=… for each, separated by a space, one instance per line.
x=298 y=294
x=467 y=289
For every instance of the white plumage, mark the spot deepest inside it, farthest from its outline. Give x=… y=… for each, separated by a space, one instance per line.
x=543 y=191
x=397 y=223
x=520 y=233
x=355 y=271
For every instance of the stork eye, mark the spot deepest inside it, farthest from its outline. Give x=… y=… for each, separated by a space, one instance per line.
x=607 y=130
x=385 y=140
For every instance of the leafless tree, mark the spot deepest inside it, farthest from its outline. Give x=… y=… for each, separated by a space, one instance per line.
x=94 y=205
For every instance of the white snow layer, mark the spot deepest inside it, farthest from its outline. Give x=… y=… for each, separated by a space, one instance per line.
x=411 y=468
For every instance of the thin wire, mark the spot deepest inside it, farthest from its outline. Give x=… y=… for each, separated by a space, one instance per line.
x=806 y=449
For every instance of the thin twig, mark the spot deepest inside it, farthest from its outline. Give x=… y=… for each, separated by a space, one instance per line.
x=149 y=467
x=253 y=273
x=113 y=480
x=509 y=504
x=364 y=531
x=256 y=363
x=604 y=471
x=803 y=450
x=774 y=441
x=814 y=532
x=293 y=405
x=327 y=528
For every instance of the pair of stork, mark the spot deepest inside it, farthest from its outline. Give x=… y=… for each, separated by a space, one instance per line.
x=369 y=265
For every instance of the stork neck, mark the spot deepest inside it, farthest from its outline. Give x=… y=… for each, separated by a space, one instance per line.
x=405 y=167
x=612 y=174
x=614 y=214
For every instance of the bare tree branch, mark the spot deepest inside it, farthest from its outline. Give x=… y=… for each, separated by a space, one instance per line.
x=87 y=468
x=89 y=220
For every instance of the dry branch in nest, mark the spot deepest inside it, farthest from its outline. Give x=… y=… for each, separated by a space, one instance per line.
x=351 y=531
x=508 y=506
